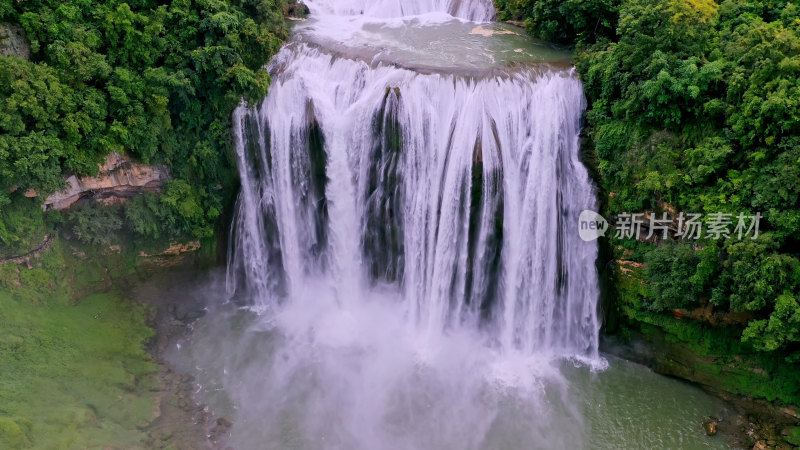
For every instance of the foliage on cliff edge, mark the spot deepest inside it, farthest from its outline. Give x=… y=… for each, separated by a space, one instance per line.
x=157 y=80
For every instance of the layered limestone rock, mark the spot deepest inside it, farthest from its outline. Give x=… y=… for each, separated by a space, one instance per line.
x=119 y=179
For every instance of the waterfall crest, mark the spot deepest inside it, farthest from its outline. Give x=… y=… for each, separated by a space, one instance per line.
x=460 y=193
x=473 y=10
x=407 y=231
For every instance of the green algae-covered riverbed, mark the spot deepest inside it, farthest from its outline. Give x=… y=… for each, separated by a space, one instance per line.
x=74 y=375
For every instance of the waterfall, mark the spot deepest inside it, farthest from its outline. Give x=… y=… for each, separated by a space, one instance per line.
x=407 y=236
x=460 y=192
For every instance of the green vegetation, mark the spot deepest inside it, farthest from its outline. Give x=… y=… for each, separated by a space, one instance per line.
x=23 y=226
x=156 y=80
x=75 y=373
x=563 y=21
x=699 y=351
x=694 y=106
x=73 y=376
x=74 y=370
x=95 y=224
x=794 y=437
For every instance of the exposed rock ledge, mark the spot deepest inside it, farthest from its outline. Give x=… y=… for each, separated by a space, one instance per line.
x=119 y=179
x=13 y=42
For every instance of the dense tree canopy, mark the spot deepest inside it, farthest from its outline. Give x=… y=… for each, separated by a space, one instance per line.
x=154 y=79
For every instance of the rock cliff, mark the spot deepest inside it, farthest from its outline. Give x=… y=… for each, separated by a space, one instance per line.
x=118 y=180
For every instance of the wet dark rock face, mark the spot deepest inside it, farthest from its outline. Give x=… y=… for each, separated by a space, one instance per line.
x=382 y=243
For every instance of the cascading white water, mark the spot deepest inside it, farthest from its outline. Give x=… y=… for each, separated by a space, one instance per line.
x=463 y=191
x=411 y=237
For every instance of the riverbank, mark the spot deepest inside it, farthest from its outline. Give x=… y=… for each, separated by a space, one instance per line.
x=686 y=345
x=757 y=423
x=74 y=375
x=182 y=422
x=80 y=356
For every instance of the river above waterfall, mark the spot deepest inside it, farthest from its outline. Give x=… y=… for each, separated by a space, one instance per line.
x=430 y=42
x=405 y=269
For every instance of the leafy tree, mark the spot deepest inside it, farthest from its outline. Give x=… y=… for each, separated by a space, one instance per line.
x=95 y=224
x=669 y=271
x=564 y=20
x=155 y=80
x=782 y=327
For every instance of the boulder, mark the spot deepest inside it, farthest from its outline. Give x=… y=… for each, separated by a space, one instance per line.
x=710 y=426
x=220 y=429
x=225 y=422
